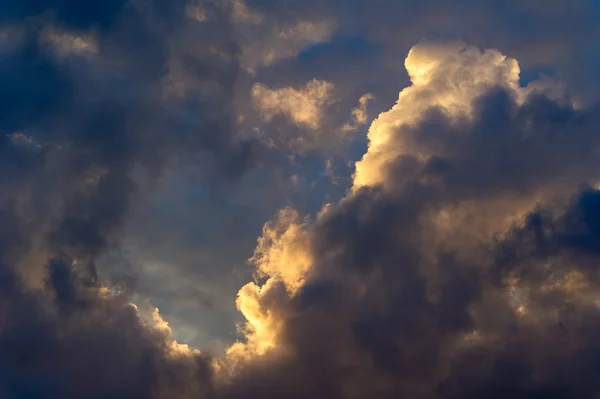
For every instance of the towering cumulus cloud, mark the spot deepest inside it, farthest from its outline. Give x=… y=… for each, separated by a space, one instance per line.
x=462 y=262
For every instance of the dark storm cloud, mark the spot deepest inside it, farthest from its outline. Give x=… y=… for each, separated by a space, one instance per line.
x=72 y=341
x=91 y=119
x=554 y=356
x=85 y=103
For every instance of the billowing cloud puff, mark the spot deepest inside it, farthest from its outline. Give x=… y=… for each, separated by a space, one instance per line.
x=303 y=107
x=299 y=119
x=445 y=78
x=282 y=251
x=305 y=118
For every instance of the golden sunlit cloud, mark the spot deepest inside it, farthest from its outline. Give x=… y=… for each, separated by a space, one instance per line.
x=359 y=114
x=304 y=106
x=448 y=76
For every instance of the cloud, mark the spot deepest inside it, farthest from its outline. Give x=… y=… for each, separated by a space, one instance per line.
x=303 y=106
x=241 y=13
x=435 y=71
x=390 y=304
x=76 y=338
x=66 y=43
x=306 y=118
x=299 y=119
x=281 y=250
x=359 y=114
x=439 y=117
x=267 y=39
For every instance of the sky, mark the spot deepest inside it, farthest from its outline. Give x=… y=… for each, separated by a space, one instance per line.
x=337 y=199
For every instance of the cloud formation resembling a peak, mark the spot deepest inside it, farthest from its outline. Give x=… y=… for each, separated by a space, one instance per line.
x=394 y=300
x=460 y=263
